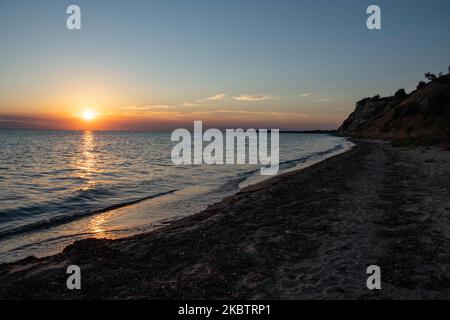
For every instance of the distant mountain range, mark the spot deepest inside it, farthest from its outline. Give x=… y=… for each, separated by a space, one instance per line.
x=421 y=116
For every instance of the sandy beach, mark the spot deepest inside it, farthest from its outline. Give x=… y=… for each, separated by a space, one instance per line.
x=307 y=234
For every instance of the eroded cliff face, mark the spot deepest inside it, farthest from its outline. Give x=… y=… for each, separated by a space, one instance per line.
x=424 y=113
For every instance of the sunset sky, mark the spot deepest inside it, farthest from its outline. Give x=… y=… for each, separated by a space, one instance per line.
x=158 y=65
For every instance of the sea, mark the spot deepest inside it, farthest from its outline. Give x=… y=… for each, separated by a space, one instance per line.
x=57 y=187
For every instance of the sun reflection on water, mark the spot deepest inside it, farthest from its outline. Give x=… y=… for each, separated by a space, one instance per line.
x=87 y=161
x=100 y=225
x=95 y=225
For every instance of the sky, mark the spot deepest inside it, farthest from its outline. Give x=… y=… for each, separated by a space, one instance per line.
x=160 y=65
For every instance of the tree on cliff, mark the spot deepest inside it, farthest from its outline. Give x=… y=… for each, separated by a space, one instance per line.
x=430 y=76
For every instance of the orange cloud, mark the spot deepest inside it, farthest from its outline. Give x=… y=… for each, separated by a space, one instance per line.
x=253 y=98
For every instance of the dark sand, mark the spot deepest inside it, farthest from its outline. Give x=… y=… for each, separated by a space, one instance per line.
x=304 y=235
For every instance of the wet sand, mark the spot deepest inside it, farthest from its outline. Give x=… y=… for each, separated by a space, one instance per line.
x=307 y=234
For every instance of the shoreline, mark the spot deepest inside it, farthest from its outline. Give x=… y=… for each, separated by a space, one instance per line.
x=305 y=234
x=125 y=219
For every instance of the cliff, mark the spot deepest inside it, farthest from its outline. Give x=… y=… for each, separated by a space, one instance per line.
x=423 y=114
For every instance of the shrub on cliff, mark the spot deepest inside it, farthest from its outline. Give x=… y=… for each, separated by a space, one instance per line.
x=400 y=94
x=421 y=85
x=376 y=97
x=362 y=101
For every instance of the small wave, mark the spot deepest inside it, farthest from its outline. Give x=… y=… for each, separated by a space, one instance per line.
x=78 y=199
x=62 y=219
x=65 y=237
x=290 y=164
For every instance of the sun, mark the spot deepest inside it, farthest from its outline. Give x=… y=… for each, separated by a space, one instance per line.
x=88 y=115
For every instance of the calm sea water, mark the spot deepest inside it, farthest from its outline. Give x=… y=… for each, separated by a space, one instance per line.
x=60 y=186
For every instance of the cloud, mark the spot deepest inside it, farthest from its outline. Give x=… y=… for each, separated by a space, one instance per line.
x=190 y=104
x=253 y=98
x=198 y=102
x=213 y=113
x=147 y=107
x=160 y=106
x=311 y=94
x=219 y=96
x=267 y=113
x=323 y=100
x=134 y=108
